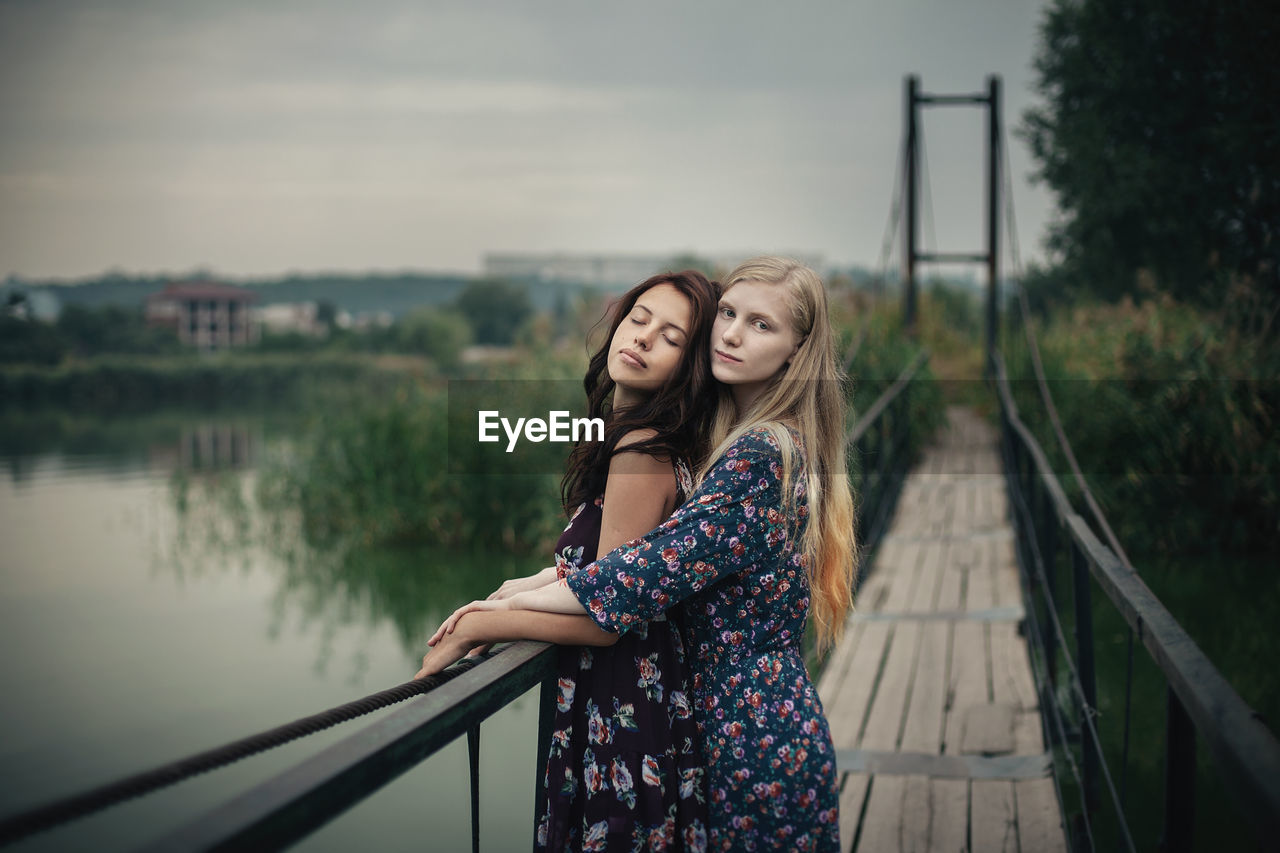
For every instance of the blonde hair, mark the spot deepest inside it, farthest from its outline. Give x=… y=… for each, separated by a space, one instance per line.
x=809 y=394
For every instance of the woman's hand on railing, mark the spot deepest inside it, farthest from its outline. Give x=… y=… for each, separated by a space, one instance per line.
x=448 y=650
x=518 y=585
x=446 y=628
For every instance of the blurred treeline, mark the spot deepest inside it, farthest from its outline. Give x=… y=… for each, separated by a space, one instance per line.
x=1173 y=417
x=105 y=357
x=1157 y=312
x=485 y=311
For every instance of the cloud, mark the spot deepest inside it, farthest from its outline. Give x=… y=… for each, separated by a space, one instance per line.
x=562 y=125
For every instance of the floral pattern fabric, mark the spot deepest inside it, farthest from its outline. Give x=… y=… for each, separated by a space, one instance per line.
x=727 y=557
x=624 y=771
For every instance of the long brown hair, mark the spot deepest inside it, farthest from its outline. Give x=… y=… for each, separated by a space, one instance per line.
x=679 y=412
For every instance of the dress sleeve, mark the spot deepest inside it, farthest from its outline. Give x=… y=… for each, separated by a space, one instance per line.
x=729 y=523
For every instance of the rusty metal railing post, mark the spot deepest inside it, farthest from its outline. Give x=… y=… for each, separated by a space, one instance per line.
x=1049 y=553
x=546 y=723
x=473 y=761
x=1089 y=748
x=1179 y=777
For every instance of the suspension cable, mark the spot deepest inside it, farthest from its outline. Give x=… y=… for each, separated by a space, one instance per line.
x=1051 y=409
x=931 y=231
x=891 y=228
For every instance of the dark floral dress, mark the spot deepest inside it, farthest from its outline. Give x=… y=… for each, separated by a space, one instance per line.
x=624 y=771
x=727 y=555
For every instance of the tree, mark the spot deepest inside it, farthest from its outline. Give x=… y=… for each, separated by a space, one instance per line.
x=1159 y=136
x=112 y=329
x=327 y=314
x=439 y=334
x=494 y=309
x=24 y=341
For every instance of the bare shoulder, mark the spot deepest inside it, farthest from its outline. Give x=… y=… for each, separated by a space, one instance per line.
x=636 y=436
x=639 y=492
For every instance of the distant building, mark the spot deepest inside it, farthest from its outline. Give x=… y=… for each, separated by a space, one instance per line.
x=302 y=318
x=206 y=315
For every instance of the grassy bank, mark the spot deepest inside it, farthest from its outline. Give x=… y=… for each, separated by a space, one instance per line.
x=1172 y=416
x=132 y=384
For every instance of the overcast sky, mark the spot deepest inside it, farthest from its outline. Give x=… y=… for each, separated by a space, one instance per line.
x=258 y=138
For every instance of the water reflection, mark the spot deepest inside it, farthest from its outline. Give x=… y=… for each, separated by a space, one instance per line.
x=161 y=442
x=209 y=446
x=329 y=586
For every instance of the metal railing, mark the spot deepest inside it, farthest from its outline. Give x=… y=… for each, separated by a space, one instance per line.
x=881 y=439
x=1199 y=701
x=300 y=800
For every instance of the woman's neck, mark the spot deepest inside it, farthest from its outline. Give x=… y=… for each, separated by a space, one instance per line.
x=624 y=398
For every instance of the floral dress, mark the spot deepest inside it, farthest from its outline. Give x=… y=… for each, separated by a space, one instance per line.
x=728 y=555
x=624 y=771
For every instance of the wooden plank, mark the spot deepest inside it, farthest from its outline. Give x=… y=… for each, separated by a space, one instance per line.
x=952 y=580
x=1000 y=497
x=922 y=731
x=837 y=664
x=882 y=823
x=984 y=519
x=1040 y=826
x=886 y=559
x=913 y=503
x=1011 y=767
x=884 y=723
x=949 y=815
x=966 y=679
x=848 y=706
x=1028 y=733
x=980 y=593
x=917 y=811
x=987 y=729
x=901 y=574
x=1011 y=679
x=1008 y=584
x=874 y=589
x=940 y=516
x=956 y=523
x=993 y=822
x=852 y=796
x=925 y=595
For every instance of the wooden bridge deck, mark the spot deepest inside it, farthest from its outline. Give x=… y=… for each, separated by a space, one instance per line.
x=930 y=696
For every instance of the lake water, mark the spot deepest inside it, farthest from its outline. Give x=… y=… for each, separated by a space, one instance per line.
x=148 y=611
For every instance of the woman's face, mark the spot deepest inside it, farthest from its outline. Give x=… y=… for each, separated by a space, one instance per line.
x=647 y=347
x=752 y=338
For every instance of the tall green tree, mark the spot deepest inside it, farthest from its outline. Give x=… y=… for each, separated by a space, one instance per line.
x=1160 y=135
x=495 y=309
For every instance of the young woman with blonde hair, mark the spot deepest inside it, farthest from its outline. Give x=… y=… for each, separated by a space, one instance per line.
x=764 y=545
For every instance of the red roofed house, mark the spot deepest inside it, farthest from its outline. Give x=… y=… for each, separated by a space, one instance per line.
x=206 y=315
